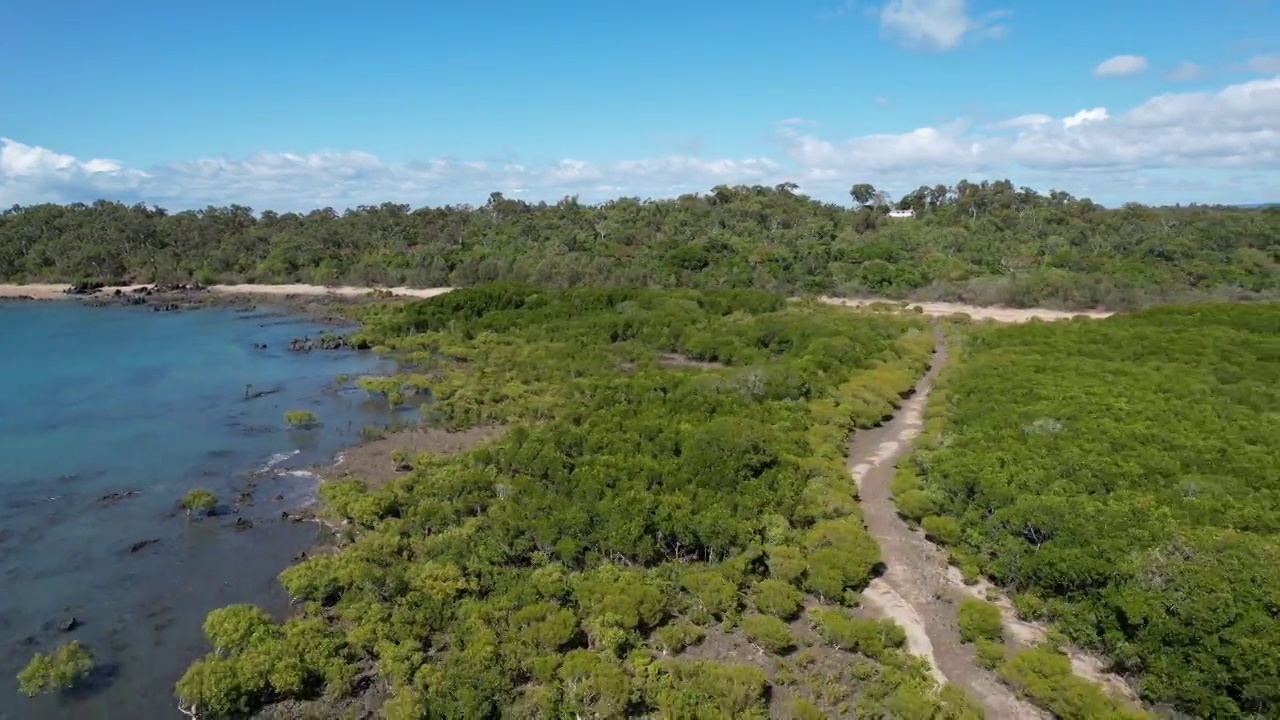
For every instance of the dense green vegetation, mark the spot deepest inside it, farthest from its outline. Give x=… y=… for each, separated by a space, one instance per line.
x=1122 y=477
x=982 y=242
x=671 y=486
x=56 y=671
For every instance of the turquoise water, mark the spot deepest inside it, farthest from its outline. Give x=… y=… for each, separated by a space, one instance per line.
x=95 y=401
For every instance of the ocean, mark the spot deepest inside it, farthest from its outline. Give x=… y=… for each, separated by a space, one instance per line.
x=108 y=416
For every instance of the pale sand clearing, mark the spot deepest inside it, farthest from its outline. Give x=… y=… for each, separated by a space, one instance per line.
x=997 y=313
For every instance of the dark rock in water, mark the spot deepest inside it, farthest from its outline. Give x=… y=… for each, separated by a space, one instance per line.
x=70 y=624
x=244 y=498
x=142 y=543
x=300 y=556
x=327 y=341
x=115 y=497
x=403 y=467
x=85 y=288
x=28 y=641
x=279 y=498
x=242 y=524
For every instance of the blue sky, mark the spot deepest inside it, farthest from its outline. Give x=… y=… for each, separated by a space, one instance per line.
x=292 y=104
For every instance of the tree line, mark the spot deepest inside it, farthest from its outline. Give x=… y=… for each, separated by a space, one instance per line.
x=986 y=242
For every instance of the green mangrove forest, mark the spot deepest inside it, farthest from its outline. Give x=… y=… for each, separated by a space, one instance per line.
x=984 y=243
x=1121 y=478
x=666 y=528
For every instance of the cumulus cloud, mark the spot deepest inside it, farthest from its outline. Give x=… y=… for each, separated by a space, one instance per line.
x=1264 y=64
x=1120 y=65
x=1166 y=144
x=1186 y=71
x=1236 y=127
x=936 y=24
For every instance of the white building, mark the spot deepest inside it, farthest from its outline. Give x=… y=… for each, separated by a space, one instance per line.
x=908 y=213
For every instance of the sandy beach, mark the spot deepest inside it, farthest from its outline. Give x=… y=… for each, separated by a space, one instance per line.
x=54 y=291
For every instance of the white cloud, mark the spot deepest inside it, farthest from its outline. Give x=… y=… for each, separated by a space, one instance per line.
x=1186 y=71
x=1264 y=64
x=1171 y=142
x=936 y=24
x=882 y=101
x=1085 y=116
x=1236 y=127
x=342 y=179
x=1120 y=65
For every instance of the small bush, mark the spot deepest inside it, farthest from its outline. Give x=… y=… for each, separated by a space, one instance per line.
x=677 y=636
x=904 y=480
x=980 y=620
x=990 y=654
x=942 y=529
x=775 y=597
x=199 y=500
x=769 y=633
x=803 y=709
x=56 y=671
x=869 y=637
x=786 y=563
x=1029 y=607
x=300 y=418
x=842 y=555
x=916 y=505
x=1045 y=676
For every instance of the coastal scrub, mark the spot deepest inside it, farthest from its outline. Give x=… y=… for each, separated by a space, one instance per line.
x=56 y=671
x=591 y=559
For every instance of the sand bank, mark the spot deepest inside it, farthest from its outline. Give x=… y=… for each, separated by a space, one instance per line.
x=54 y=291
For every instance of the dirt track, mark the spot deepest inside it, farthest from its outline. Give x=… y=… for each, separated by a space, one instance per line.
x=915 y=591
x=919 y=590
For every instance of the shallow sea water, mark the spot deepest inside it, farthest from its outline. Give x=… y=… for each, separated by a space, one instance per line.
x=95 y=401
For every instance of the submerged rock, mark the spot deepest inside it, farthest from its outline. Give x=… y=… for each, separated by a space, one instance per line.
x=141 y=544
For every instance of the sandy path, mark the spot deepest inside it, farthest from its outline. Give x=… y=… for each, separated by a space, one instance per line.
x=920 y=590
x=915 y=590
x=997 y=313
